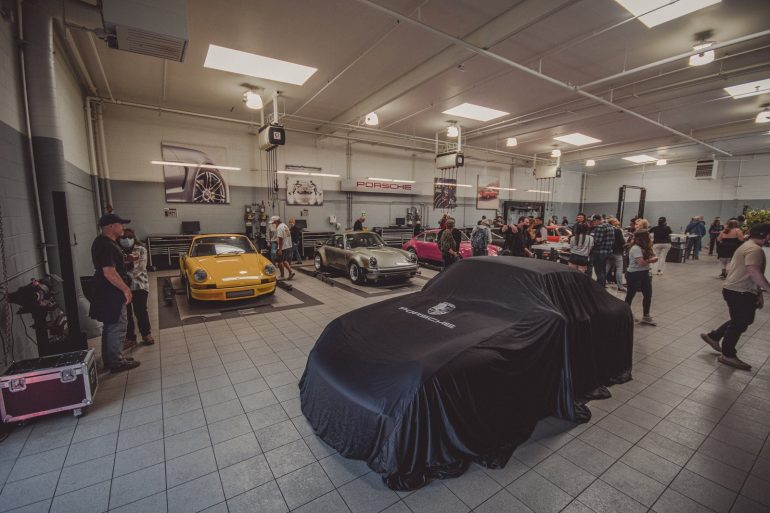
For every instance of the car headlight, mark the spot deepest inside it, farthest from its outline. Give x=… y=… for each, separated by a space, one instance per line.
x=270 y=269
x=372 y=261
x=200 y=275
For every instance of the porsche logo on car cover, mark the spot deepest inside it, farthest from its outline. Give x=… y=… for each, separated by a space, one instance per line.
x=441 y=309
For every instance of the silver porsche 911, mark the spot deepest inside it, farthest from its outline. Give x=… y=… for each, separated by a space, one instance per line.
x=364 y=256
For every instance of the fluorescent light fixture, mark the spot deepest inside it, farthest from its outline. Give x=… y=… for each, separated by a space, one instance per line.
x=252 y=100
x=390 y=180
x=501 y=188
x=452 y=131
x=299 y=173
x=763 y=117
x=640 y=159
x=327 y=175
x=556 y=152
x=372 y=119
x=453 y=184
x=539 y=192
x=661 y=162
x=244 y=63
x=191 y=164
x=511 y=142
x=749 y=89
x=703 y=57
x=577 y=139
x=477 y=112
x=661 y=11
x=590 y=163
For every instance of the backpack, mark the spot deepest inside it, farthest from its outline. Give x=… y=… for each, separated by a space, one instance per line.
x=479 y=240
x=447 y=241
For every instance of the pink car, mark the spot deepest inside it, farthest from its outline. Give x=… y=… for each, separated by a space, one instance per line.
x=425 y=246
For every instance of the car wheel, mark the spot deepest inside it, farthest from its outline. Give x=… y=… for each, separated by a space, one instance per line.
x=355 y=273
x=208 y=187
x=318 y=262
x=188 y=292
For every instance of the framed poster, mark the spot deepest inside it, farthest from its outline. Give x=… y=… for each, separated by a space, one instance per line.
x=196 y=179
x=487 y=192
x=304 y=191
x=444 y=193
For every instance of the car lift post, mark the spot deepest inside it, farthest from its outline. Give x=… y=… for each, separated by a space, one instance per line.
x=622 y=201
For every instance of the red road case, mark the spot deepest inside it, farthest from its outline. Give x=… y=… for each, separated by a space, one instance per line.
x=39 y=386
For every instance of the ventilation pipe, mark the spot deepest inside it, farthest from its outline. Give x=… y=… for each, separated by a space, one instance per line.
x=47 y=148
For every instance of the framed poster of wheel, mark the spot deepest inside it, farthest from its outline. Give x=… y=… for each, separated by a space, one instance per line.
x=194 y=174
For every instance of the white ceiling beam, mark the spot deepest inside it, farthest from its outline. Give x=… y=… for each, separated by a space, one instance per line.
x=499 y=29
x=508 y=62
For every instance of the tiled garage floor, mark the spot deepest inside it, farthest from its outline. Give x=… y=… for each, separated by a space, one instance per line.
x=211 y=422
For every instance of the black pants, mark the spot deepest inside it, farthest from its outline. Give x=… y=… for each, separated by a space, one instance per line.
x=449 y=259
x=138 y=307
x=742 y=307
x=712 y=243
x=639 y=281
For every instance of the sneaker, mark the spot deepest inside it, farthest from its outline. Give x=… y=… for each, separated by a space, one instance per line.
x=622 y=289
x=291 y=275
x=148 y=340
x=734 y=361
x=124 y=366
x=710 y=341
x=648 y=320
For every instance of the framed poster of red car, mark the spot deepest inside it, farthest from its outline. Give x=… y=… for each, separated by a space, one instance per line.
x=487 y=192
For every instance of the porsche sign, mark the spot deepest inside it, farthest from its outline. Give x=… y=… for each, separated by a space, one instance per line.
x=377 y=186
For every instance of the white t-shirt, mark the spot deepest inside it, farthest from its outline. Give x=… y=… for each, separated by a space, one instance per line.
x=284 y=233
x=634 y=253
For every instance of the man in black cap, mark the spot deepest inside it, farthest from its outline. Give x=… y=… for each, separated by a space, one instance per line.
x=743 y=292
x=111 y=292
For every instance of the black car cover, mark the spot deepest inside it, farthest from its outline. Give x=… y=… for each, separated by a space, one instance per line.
x=421 y=385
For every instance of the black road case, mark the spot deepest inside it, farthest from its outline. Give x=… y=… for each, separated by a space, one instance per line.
x=39 y=386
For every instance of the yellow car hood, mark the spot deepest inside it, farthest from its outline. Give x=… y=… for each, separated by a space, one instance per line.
x=231 y=270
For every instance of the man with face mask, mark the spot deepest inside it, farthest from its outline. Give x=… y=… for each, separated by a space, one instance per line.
x=136 y=264
x=111 y=292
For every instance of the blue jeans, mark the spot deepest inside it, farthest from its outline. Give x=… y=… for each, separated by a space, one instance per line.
x=295 y=254
x=598 y=260
x=616 y=259
x=113 y=335
x=693 y=246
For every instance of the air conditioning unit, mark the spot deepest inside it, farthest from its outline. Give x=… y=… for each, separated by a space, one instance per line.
x=271 y=136
x=545 y=171
x=450 y=160
x=706 y=169
x=148 y=27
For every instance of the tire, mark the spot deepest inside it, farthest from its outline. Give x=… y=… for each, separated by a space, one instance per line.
x=188 y=292
x=355 y=273
x=318 y=262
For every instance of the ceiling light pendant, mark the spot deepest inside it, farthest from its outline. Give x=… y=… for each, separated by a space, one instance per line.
x=763 y=116
x=452 y=131
x=372 y=119
x=252 y=100
x=703 y=57
x=590 y=163
x=661 y=162
x=511 y=142
x=556 y=152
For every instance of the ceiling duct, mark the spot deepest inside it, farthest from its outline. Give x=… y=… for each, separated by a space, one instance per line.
x=157 y=29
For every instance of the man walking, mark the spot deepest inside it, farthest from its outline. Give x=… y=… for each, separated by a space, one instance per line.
x=283 y=252
x=695 y=231
x=743 y=289
x=111 y=293
x=296 y=239
x=604 y=240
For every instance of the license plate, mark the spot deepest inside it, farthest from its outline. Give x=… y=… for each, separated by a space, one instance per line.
x=240 y=293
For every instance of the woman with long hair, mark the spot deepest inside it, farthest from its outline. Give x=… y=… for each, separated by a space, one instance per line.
x=580 y=245
x=728 y=241
x=640 y=256
x=136 y=264
x=714 y=230
x=662 y=243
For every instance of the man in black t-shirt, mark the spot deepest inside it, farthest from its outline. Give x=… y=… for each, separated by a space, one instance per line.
x=110 y=292
x=359 y=224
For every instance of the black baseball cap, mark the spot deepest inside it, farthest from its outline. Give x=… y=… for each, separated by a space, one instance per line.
x=759 y=231
x=108 y=219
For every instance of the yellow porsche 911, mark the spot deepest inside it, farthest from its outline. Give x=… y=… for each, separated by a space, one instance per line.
x=225 y=267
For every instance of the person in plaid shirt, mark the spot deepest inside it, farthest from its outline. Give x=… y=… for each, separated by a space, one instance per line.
x=604 y=239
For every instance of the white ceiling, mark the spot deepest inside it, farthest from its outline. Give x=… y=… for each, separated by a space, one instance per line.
x=368 y=61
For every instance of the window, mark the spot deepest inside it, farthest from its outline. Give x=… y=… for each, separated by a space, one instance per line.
x=338 y=242
x=225 y=245
x=430 y=237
